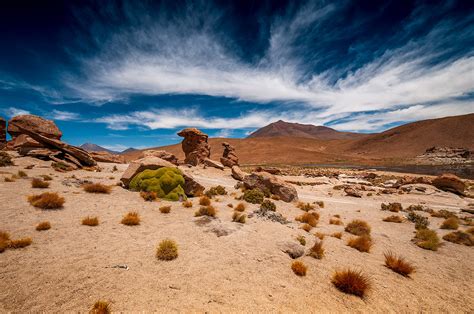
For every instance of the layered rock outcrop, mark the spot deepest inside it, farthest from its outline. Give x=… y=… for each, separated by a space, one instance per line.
x=451 y=183
x=195 y=146
x=34 y=124
x=229 y=158
x=269 y=183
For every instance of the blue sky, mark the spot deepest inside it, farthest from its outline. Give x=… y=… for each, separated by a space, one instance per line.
x=130 y=73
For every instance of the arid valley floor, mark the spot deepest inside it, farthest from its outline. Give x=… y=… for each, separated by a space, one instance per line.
x=223 y=266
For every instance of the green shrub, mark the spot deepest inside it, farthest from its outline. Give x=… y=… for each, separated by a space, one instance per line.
x=268 y=205
x=166 y=182
x=216 y=190
x=427 y=239
x=254 y=196
x=421 y=222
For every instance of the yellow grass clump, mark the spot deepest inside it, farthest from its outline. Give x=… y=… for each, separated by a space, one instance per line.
x=361 y=243
x=307 y=227
x=19 y=243
x=204 y=201
x=187 y=204
x=45 y=225
x=239 y=217
x=351 y=282
x=47 y=200
x=393 y=218
x=398 y=264
x=165 y=209
x=100 y=307
x=21 y=174
x=206 y=211
x=337 y=235
x=96 y=188
x=131 y=219
x=305 y=206
x=427 y=239
x=460 y=237
x=451 y=223
x=39 y=184
x=319 y=235
x=335 y=221
x=90 y=221
x=299 y=268
x=317 y=250
x=167 y=250
x=7 y=179
x=311 y=219
x=240 y=207
x=358 y=227
x=148 y=196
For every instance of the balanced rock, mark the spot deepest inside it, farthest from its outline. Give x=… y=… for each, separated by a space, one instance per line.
x=450 y=182
x=161 y=154
x=33 y=124
x=267 y=182
x=229 y=158
x=195 y=146
x=3 y=134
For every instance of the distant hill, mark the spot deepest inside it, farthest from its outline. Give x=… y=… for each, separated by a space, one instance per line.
x=96 y=148
x=129 y=150
x=288 y=129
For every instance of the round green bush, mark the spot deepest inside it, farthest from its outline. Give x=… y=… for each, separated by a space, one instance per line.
x=166 y=182
x=268 y=205
x=254 y=196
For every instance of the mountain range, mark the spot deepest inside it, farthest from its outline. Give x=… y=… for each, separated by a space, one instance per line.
x=90 y=147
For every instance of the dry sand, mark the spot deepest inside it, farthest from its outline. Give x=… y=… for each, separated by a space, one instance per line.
x=67 y=268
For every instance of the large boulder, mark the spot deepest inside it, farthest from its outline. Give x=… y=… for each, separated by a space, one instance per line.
x=450 y=182
x=212 y=163
x=229 y=158
x=195 y=146
x=161 y=154
x=23 y=144
x=3 y=134
x=238 y=174
x=191 y=187
x=107 y=157
x=268 y=182
x=33 y=124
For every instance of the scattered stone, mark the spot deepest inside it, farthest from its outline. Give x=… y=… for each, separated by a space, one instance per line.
x=350 y=191
x=293 y=249
x=212 y=163
x=237 y=173
x=75 y=182
x=269 y=215
x=450 y=182
x=446 y=155
x=162 y=154
x=195 y=146
x=267 y=182
x=229 y=158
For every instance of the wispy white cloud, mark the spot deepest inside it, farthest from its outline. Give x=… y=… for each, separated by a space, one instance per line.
x=12 y=111
x=64 y=115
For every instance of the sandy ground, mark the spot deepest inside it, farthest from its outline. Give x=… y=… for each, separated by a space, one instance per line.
x=67 y=268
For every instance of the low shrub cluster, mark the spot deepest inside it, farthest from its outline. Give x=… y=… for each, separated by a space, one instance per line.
x=443 y=213
x=268 y=205
x=310 y=218
x=301 y=239
x=421 y=222
x=337 y=235
x=254 y=196
x=204 y=201
x=206 y=211
x=165 y=209
x=335 y=221
x=451 y=223
x=305 y=206
x=187 y=204
x=239 y=217
x=393 y=218
x=317 y=250
x=100 y=307
x=393 y=207
x=306 y=227
x=216 y=190
x=240 y=207
x=96 y=188
x=47 y=200
x=460 y=237
x=167 y=250
x=427 y=239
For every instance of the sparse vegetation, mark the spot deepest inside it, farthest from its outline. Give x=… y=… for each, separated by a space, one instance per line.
x=358 y=227
x=4 y=240
x=361 y=243
x=167 y=250
x=148 y=196
x=427 y=239
x=61 y=167
x=253 y=196
x=337 y=235
x=451 y=223
x=351 y=282
x=317 y=250
x=414 y=208
x=470 y=230
x=460 y=237
x=39 y=184
x=165 y=209
x=299 y=268
x=100 y=307
x=268 y=205
x=187 y=204
x=442 y=213
x=21 y=174
x=45 y=225
x=301 y=239
x=306 y=227
x=305 y=206
x=335 y=221
x=7 y=179
x=393 y=207
x=320 y=204
x=393 y=218
x=206 y=211
x=90 y=221
x=398 y=264
x=47 y=200
x=131 y=219
x=96 y=188
x=421 y=222
x=5 y=159
x=20 y=243
x=310 y=218
x=204 y=201
x=240 y=207
x=319 y=235
x=216 y=190
x=239 y=217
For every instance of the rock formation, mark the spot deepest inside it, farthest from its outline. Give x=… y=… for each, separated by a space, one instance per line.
x=161 y=154
x=3 y=134
x=267 y=182
x=195 y=146
x=451 y=183
x=237 y=173
x=107 y=157
x=229 y=158
x=212 y=163
x=35 y=124
x=446 y=155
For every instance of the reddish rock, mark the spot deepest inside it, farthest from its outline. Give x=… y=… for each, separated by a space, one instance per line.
x=161 y=154
x=237 y=173
x=33 y=124
x=267 y=182
x=272 y=170
x=350 y=191
x=212 y=163
x=195 y=146
x=450 y=182
x=23 y=144
x=229 y=158
x=3 y=134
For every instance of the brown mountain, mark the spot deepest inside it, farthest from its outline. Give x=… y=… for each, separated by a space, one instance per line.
x=285 y=129
x=392 y=146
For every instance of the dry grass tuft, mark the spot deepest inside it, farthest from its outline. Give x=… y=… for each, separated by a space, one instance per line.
x=335 y=221
x=167 y=250
x=320 y=204
x=204 y=201
x=460 y=237
x=351 y=282
x=393 y=218
x=165 y=209
x=361 y=243
x=337 y=235
x=240 y=207
x=131 y=219
x=398 y=264
x=21 y=174
x=239 y=217
x=187 y=204
x=47 y=200
x=206 y=211
x=299 y=268
x=4 y=240
x=148 y=196
x=39 y=184
x=100 y=307
x=301 y=239
x=427 y=239
x=451 y=223
x=305 y=206
x=443 y=213
x=393 y=207
x=307 y=227
x=20 y=243
x=45 y=225
x=311 y=219
x=96 y=188
x=90 y=221
x=319 y=235
x=7 y=179
x=358 y=227
x=317 y=250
